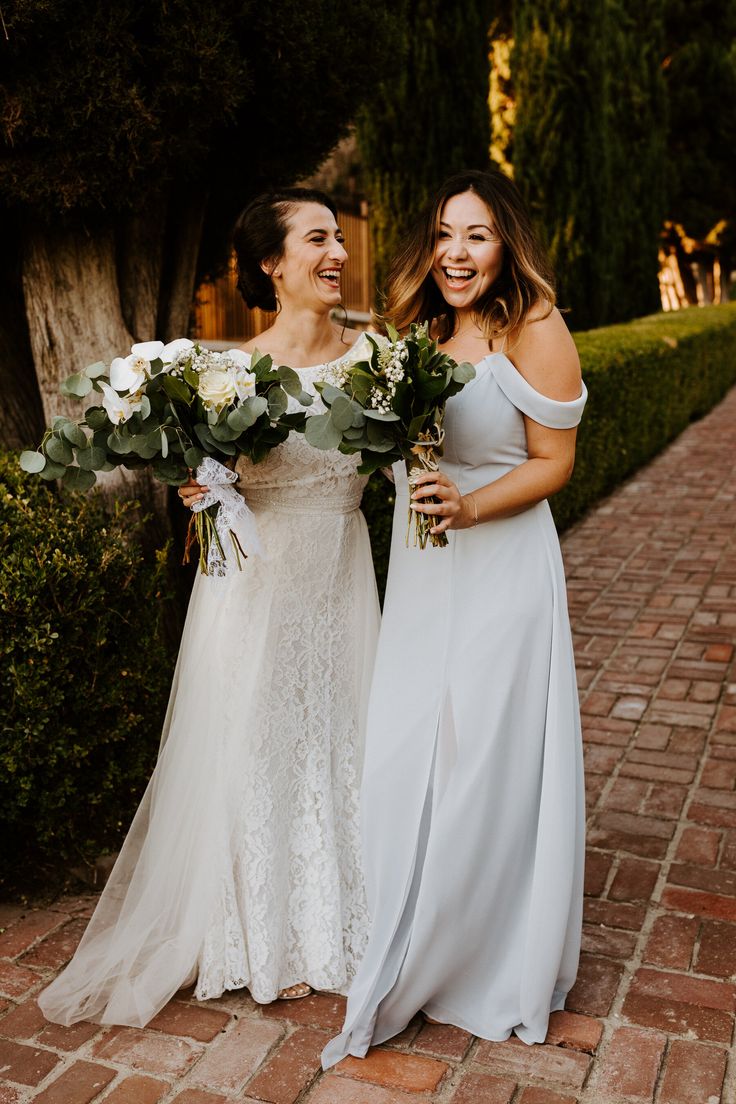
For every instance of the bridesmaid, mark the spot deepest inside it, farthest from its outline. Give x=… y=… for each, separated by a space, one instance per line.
x=472 y=801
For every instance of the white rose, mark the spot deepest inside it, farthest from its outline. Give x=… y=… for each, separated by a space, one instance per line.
x=216 y=388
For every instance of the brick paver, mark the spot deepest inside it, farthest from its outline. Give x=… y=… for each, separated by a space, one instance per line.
x=652 y=588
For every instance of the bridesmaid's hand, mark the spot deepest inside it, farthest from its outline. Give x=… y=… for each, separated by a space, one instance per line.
x=453 y=509
x=191 y=492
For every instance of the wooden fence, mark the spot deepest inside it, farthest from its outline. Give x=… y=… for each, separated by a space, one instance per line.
x=222 y=316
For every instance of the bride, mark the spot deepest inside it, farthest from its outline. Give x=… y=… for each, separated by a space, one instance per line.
x=241 y=867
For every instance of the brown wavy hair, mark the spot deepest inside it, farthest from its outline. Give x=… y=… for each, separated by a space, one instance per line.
x=524 y=283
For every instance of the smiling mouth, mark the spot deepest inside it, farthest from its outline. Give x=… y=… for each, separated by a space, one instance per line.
x=456 y=277
x=330 y=276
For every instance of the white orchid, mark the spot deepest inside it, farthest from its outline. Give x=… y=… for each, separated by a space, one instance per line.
x=119 y=408
x=128 y=373
x=240 y=373
x=149 y=350
x=171 y=351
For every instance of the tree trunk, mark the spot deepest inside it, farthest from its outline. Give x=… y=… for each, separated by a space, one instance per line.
x=90 y=293
x=74 y=313
x=21 y=411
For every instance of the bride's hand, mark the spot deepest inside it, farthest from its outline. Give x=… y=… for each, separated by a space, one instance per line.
x=453 y=510
x=191 y=492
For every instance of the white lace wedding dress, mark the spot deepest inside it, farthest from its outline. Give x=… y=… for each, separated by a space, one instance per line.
x=242 y=866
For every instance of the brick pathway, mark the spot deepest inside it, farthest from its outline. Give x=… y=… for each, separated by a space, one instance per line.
x=652 y=575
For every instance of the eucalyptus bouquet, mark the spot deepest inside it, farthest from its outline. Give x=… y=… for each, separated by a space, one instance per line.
x=173 y=408
x=390 y=406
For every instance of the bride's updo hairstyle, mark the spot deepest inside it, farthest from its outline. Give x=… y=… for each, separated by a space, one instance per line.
x=259 y=235
x=525 y=280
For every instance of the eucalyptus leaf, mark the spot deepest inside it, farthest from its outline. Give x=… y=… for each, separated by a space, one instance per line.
x=330 y=393
x=74 y=435
x=33 y=462
x=376 y=415
x=193 y=457
x=96 y=417
x=321 y=433
x=91 y=459
x=277 y=403
x=52 y=470
x=290 y=381
x=139 y=443
x=59 y=421
x=164 y=443
x=205 y=437
x=94 y=371
x=145 y=409
x=342 y=413
x=59 y=450
x=463 y=373
x=78 y=479
x=169 y=471
x=379 y=439
x=76 y=386
x=119 y=444
x=224 y=432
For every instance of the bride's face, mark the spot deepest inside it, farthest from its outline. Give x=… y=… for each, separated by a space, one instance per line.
x=468 y=257
x=309 y=271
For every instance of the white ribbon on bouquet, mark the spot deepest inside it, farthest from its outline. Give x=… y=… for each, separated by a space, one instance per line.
x=233 y=515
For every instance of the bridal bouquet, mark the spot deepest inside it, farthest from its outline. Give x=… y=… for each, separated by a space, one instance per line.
x=173 y=408
x=389 y=406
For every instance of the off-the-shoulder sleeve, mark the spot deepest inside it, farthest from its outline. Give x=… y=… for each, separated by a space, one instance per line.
x=548 y=412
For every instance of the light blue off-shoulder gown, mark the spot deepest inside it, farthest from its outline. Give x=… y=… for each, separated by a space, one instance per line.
x=472 y=799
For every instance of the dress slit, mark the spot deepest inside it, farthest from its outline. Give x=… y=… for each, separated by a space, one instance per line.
x=358 y=1035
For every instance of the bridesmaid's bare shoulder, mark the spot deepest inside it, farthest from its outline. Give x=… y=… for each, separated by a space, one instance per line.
x=546 y=356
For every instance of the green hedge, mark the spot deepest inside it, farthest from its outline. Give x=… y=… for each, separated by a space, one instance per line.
x=647 y=379
x=84 y=675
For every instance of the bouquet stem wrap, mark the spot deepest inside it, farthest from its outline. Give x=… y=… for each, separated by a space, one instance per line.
x=222 y=521
x=425 y=452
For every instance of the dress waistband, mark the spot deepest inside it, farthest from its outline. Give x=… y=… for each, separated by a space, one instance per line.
x=287 y=504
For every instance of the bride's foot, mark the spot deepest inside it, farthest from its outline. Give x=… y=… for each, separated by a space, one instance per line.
x=295 y=992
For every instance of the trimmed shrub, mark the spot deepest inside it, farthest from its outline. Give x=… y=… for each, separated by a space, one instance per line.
x=647 y=380
x=84 y=674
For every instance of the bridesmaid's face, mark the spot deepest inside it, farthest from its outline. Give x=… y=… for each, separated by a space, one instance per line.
x=309 y=272
x=468 y=256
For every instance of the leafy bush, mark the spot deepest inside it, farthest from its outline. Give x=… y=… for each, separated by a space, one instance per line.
x=84 y=673
x=647 y=380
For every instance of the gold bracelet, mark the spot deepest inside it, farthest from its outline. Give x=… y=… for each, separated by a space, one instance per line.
x=475 y=508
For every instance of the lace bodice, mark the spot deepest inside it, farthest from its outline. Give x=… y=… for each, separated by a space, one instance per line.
x=297 y=477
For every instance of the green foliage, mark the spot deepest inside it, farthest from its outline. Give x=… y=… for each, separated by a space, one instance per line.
x=647 y=380
x=428 y=118
x=84 y=673
x=700 y=71
x=105 y=105
x=588 y=147
x=378 y=507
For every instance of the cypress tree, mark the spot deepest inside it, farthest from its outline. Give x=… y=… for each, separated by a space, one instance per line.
x=428 y=118
x=587 y=148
